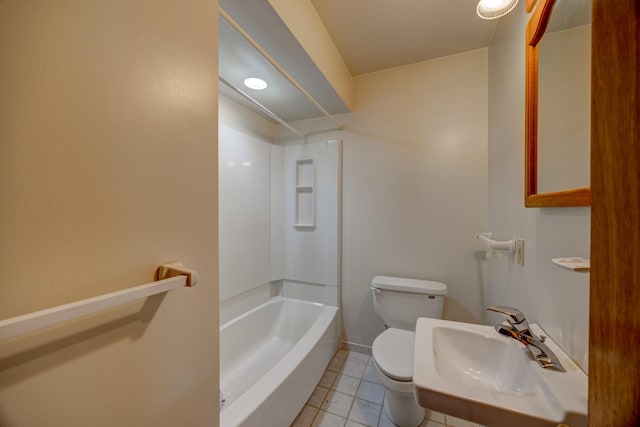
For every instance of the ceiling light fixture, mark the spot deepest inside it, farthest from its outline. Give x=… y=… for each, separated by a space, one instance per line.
x=493 y=9
x=255 y=83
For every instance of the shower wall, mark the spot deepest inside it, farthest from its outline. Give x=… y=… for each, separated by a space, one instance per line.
x=311 y=253
x=250 y=251
x=245 y=216
x=262 y=252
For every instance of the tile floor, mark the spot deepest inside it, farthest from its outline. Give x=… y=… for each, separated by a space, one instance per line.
x=350 y=395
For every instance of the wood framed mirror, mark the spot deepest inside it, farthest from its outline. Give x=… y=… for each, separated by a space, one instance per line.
x=557 y=126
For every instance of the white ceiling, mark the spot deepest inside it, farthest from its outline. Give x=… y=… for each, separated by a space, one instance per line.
x=373 y=35
x=238 y=60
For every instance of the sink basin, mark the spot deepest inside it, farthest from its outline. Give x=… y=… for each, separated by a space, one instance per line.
x=470 y=371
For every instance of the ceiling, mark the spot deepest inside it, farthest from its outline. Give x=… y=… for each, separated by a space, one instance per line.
x=239 y=60
x=371 y=35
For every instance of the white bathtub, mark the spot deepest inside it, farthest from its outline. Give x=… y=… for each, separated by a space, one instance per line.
x=271 y=359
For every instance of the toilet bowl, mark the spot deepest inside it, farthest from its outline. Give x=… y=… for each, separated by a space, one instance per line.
x=399 y=302
x=393 y=364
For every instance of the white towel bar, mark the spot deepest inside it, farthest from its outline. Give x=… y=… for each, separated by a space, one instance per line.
x=172 y=276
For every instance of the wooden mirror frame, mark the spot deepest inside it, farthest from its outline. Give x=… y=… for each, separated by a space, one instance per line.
x=565 y=198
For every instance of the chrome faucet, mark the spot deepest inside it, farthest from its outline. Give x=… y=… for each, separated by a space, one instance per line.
x=517 y=327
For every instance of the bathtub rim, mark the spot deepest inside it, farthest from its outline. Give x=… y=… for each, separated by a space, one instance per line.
x=270 y=301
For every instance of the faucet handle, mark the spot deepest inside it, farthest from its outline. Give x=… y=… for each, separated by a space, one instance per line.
x=512 y=314
x=514 y=317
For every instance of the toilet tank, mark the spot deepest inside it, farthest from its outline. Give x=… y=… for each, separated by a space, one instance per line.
x=399 y=301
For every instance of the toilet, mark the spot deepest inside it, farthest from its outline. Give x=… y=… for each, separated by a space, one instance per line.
x=399 y=302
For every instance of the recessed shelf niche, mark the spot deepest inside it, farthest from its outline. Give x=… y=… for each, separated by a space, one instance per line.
x=305 y=194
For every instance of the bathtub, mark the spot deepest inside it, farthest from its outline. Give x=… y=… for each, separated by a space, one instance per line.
x=271 y=359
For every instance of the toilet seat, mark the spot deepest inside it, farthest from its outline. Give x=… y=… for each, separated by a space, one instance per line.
x=391 y=384
x=393 y=353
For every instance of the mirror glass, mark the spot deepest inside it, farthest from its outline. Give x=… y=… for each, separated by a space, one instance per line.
x=557 y=174
x=564 y=80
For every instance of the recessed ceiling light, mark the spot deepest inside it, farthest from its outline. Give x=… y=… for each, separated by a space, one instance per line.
x=493 y=9
x=255 y=83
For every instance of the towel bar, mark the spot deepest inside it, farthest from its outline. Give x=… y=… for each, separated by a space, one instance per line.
x=171 y=276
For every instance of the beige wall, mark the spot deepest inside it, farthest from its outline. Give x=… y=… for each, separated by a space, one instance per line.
x=557 y=299
x=414 y=184
x=108 y=123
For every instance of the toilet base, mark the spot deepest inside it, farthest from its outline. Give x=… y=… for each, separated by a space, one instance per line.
x=402 y=409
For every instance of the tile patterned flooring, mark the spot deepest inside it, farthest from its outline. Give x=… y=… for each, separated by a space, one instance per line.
x=350 y=395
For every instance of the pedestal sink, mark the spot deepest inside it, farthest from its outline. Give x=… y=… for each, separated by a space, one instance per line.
x=470 y=371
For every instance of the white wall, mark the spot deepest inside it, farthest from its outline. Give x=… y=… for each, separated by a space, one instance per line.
x=414 y=184
x=311 y=254
x=245 y=212
x=251 y=178
x=259 y=246
x=108 y=121
x=555 y=298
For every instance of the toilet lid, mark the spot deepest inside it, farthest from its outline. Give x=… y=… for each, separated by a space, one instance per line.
x=393 y=353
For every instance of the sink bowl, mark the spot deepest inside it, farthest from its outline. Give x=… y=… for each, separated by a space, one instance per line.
x=470 y=371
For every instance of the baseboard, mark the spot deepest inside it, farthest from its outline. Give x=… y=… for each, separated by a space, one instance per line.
x=358 y=348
